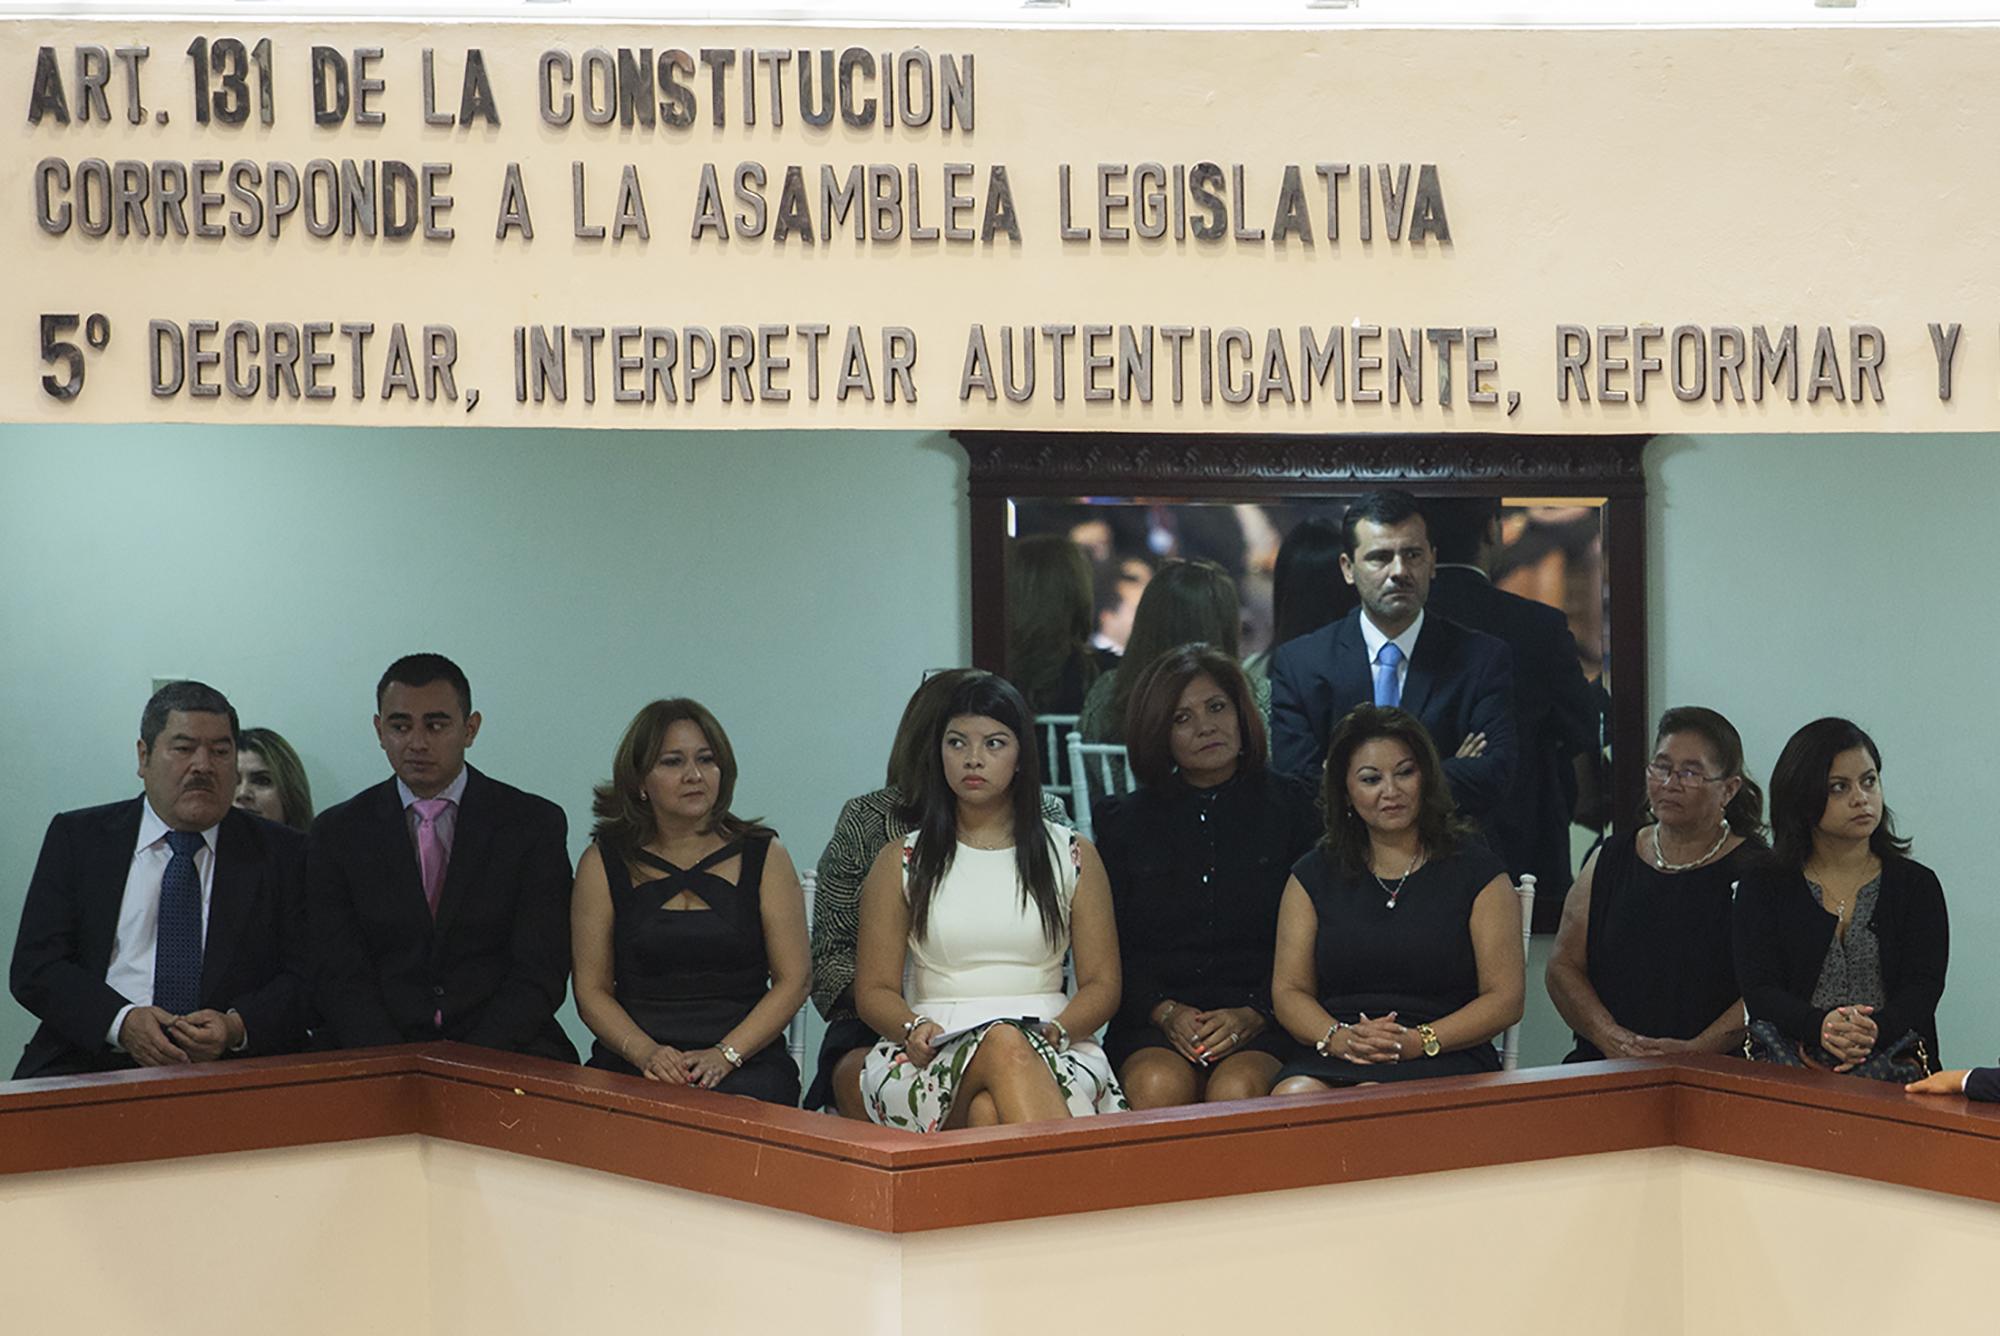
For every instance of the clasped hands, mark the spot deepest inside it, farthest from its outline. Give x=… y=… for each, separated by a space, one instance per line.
x=1205 y=1037
x=155 y=1037
x=1619 y=1042
x=703 y=1068
x=1367 y=1042
x=1848 y=1034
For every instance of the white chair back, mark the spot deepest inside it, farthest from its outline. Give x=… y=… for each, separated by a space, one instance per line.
x=795 y=1030
x=1053 y=729
x=1098 y=767
x=1510 y=1041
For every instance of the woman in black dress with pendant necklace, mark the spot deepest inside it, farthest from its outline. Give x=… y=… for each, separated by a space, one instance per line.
x=1399 y=937
x=688 y=925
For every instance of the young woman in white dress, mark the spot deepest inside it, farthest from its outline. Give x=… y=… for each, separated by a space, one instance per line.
x=964 y=926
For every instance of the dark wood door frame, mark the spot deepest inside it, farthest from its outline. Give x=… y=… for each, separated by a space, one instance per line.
x=1248 y=467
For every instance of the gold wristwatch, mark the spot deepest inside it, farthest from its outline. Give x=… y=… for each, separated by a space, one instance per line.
x=1430 y=1038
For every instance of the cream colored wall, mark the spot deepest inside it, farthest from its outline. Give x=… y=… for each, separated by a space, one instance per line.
x=1621 y=176
x=1771 y=1250
x=413 y=1237
x=1589 y=1244
x=321 y=1241
x=520 y=1245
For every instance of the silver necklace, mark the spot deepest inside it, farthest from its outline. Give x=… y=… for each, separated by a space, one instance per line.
x=1393 y=891
x=1660 y=857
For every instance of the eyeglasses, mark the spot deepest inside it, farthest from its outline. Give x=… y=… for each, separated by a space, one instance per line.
x=1688 y=776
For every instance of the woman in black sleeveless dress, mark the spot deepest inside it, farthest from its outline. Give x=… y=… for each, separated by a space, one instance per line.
x=688 y=923
x=1642 y=964
x=1399 y=937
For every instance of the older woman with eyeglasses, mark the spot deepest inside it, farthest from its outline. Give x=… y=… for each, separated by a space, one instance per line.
x=1643 y=962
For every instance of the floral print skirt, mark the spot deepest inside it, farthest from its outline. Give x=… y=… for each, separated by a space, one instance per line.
x=901 y=1094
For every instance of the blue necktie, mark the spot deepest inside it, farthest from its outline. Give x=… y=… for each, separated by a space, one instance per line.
x=1388 y=691
x=177 y=952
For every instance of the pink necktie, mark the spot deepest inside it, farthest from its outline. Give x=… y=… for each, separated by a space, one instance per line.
x=431 y=851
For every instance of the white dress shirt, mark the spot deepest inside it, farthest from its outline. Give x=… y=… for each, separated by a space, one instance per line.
x=1372 y=637
x=130 y=973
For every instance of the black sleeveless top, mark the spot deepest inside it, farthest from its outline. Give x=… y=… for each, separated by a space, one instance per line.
x=1415 y=959
x=1659 y=952
x=687 y=977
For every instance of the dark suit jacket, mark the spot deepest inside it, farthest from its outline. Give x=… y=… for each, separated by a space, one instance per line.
x=1460 y=682
x=496 y=959
x=1781 y=937
x=253 y=957
x=1555 y=719
x=1983 y=1083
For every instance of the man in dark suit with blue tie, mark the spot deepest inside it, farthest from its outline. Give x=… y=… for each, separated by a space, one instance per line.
x=1389 y=651
x=169 y=928
x=439 y=898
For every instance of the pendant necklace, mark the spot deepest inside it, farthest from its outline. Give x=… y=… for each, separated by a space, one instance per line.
x=1660 y=857
x=1397 y=889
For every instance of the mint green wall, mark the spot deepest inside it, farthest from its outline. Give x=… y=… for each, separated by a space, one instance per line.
x=1799 y=576
x=798 y=582
x=795 y=582
x=1796 y=576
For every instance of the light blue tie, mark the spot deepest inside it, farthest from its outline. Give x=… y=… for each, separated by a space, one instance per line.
x=1388 y=691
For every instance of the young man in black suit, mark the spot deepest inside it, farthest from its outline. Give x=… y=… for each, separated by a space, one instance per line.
x=169 y=928
x=1388 y=651
x=439 y=898
x=1555 y=714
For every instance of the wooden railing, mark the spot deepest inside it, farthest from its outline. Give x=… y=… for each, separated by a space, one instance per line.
x=877 y=1179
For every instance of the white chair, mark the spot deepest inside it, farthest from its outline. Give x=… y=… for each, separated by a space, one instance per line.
x=795 y=1030
x=1054 y=728
x=1510 y=1042
x=1101 y=762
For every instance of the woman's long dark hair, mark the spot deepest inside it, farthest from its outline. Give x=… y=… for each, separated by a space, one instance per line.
x=1048 y=616
x=1439 y=826
x=1799 y=796
x=1185 y=602
x=1306 y=589
x=937 y=815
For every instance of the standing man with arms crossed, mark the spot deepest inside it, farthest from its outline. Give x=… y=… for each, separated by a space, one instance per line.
x=439 y=898
x=1389 y=652
x=166 y=929
x=1555 y=714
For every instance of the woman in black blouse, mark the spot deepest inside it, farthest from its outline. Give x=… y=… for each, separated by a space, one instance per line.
x=1643 y=962
x=1399 y=937
x=1197 y=858
x=1841 y=943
